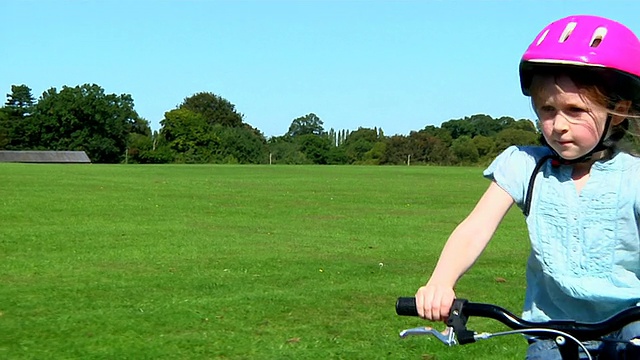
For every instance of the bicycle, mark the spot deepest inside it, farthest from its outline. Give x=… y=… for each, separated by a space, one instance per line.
x=569 y=335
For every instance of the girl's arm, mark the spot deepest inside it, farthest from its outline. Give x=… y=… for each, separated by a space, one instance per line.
x=463 y=247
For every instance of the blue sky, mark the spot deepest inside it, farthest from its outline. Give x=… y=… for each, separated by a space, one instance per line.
x=397 y=65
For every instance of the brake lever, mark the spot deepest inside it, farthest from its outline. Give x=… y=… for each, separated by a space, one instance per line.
x=447 y=337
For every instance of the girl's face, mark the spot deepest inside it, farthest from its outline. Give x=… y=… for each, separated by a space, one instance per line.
x=571 y=123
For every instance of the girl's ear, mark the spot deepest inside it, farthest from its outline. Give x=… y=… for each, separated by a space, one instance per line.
x=620 y=110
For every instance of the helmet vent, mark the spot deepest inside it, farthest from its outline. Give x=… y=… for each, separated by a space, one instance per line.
x=567 y=31
x=598 y=35
x=541 y=39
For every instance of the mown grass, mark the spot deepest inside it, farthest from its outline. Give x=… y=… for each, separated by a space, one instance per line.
x=237 y=262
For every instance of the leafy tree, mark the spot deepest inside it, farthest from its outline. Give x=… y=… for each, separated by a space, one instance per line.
x=207 y=128
x=376 y=154
x=80 y=118
x=426 y=148
x=508 y=137
x=420 y=144
x=441 y=153
x=396 y=150
x=440 y=133
x=359 y=142
x=315 y=148
x=337 y=156
x=244 y=145
x=140 y=126
x=309 y=124
x=459 y=127
x=485 y=125
x=6 y=130
x=159 y=151
x=523 y=124
x=137 y=145
x=189 y=136
x=505 y=121
x=161 y=155
x=18 y=107
x=342 y=136
x=333 y=137
x=20 y=101
x=465 y=150
x=478 y=124
x=213 y=108
x=140 y=141
x=485 y=145
x=285 y=151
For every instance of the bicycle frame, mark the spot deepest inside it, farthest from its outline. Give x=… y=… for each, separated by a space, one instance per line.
x=567 y=334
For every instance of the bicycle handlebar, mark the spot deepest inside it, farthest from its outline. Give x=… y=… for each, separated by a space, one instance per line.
x=462 y=309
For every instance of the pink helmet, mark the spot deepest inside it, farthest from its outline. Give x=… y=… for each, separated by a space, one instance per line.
x=592 y=43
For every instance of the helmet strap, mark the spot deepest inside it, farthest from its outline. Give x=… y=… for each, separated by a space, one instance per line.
x=599 y=151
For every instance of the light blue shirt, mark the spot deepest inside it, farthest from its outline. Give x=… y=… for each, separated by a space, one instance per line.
x=585 y=248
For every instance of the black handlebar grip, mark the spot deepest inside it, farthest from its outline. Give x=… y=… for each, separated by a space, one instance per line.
x=406 y=306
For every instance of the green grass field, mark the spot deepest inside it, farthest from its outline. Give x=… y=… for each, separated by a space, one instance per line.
x=238 y=262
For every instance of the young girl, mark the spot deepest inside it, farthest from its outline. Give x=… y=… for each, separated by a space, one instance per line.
x=580 y=193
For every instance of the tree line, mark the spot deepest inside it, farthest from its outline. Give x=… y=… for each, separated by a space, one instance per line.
x=206 y=128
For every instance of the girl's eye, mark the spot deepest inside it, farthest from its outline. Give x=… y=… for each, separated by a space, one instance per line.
x=576 y=109
x=546 y=112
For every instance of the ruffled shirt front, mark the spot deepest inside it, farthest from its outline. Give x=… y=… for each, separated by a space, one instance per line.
x=584 y=263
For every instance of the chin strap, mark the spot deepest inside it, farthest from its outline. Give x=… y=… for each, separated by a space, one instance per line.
x=527 y=202
x=557 y=160
x=600 y=146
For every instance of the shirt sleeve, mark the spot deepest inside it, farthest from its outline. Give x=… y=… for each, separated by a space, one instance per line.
x=512 y=169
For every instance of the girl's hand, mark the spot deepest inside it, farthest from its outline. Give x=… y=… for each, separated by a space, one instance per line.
x=433 y=301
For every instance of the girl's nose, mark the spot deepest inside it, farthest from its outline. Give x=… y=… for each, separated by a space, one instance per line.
x=560 y=123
